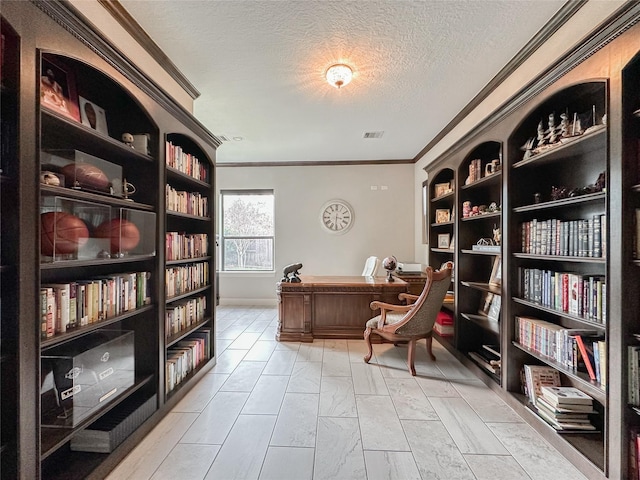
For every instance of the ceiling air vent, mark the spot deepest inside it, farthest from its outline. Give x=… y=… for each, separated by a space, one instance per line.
x=372 y=134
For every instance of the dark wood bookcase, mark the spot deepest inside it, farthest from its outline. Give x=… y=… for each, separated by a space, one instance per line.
x=570 y=188
x=39 y=440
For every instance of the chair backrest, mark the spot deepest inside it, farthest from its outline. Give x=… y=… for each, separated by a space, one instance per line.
x=371 y=267
x=422 y=317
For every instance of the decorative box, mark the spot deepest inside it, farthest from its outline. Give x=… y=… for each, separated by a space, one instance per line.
x=67 y=229
x=128 y=232
x=83 y=171
x=85 y=375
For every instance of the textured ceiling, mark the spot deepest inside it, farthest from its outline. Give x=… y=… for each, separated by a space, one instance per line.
x=259 y=66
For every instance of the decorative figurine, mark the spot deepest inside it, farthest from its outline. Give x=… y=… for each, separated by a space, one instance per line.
x=127 y=138
x=497 y=236
x=290 y=273
x=127 y=189
x=390 y=264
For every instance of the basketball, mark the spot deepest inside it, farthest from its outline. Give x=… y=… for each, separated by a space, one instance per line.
x=85 y=175
x=123 y=234
x=63 y=232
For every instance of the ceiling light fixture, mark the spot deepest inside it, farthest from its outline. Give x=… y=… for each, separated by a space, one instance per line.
x=339 y=75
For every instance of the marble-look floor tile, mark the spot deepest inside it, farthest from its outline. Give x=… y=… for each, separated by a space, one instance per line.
x=466 y=428
x=435 y=452
x=335 y=363
x=289 y=346
x=261 y=351
x=337 y=398
x=187 y=461
x=228 y=360
x=149 y=454
x=339 y=450
x=335 y=344
x=376 y=414
x=267 y=395
x=409 y=399
x=383 y=465
x=305 y=377
x=216 y=421
x=539 y=459
x=437 y=387
x=297 y=421
x=310 y=352
x=496 y=467
x=357 y=350
x=258 y=326
x=202 y=393
x=368 y=380
x=231 y=333
x=244 y=341
x=222 y=344
x=486 y=403
x=242 y=455
x=392 y=360
x=281 y=362
x=269 y=333
x=244 y=377
x=288 y=463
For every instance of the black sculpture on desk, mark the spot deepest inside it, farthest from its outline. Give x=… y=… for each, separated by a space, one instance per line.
x=290 y=273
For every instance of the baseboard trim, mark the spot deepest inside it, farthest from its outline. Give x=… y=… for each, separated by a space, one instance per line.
x=244 y=302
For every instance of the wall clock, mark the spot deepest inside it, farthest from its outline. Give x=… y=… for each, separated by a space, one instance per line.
x=336 y=216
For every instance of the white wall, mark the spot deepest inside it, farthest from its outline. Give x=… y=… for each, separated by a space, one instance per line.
x=383 y=223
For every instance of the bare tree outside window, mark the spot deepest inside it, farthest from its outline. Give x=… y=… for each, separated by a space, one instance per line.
x=247 y=230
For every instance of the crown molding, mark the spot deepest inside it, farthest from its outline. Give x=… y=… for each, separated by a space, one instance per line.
x=316 y=163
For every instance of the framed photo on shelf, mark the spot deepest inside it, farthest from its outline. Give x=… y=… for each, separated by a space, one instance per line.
x=496 y=272
x=443 y=240
x=58 y=89
x=485 y=303
x=441 y=189
x=494 y=308
x=93 y=116
x=443 y=215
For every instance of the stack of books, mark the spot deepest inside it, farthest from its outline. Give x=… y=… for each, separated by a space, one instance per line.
x=566 y=409
x=444 y=324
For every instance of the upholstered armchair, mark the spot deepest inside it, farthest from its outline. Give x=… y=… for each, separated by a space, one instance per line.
x=409 y=323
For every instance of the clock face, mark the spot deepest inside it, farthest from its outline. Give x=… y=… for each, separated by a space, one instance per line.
x=337 y=216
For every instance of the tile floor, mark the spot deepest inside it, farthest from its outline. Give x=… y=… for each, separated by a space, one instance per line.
x=271 y=410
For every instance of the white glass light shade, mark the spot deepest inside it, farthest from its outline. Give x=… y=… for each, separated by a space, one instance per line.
x=339 y=75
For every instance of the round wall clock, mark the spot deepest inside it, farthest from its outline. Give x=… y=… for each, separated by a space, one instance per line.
x=336 y=216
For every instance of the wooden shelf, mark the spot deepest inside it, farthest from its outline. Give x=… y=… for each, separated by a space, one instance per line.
x=187 y=260
x=585 y=143
x=54 y=438
x=443 y=250
x=80 y=331
x=482 y=216
x=481 y=252
x=578 y=379
x=171 y=213
x=563 y=202
x=485 y=287
x=62 y=264
x=560 y=313
x=178 y=175
x=561 y=258
x=484 y=181
x=483 y=321
x=186 y=332
x=442 y=197
x=188 y=294
x=443 y=224
x=94 y=197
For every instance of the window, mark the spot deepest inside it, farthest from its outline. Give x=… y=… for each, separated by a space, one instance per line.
x=247 y=230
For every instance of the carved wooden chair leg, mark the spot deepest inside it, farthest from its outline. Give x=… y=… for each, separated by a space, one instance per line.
x=410 y=356
x=367 y=339
x=429 y=348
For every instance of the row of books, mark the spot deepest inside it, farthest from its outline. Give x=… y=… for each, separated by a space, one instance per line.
x=574 y=349
x=180 y=316
x=184 y=278
x=185 y=162
x=185 y=356
x=581 y=295
x=182 y=246
x=576 y=238
x=633 y=368
x=65 y=306
x=565 y=408
x=192 y=203
x=475 y=171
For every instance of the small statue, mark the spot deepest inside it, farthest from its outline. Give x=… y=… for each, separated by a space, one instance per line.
x=558 y=193
x=127 y=138
x=497 y=236
x=552 y=134
x=564 y=125
x=290 y=273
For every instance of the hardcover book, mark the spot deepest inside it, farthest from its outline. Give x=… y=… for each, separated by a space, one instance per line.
x=565 y=396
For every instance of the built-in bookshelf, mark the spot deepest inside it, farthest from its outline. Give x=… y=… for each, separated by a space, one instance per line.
x=479 y=261
x=189 y=272
x=9 y=178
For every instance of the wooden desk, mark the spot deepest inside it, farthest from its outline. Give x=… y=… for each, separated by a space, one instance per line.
x=331 y=306
x=416 y=281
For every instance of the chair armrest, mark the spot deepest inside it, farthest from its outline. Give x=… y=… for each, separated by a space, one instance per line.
x=389 y=306
x=408 y=297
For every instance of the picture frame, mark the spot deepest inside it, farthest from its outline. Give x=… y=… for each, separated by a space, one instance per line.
x=444 y=240
x=496 y=272
x=494 y=308
x=441 y=189
x=93 y=116
x=443 y=215
x=58 y=88
x=485 y=303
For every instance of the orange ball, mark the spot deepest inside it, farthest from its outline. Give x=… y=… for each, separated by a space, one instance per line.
x=62 y=232
x=122 y=234
x=86 y=175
